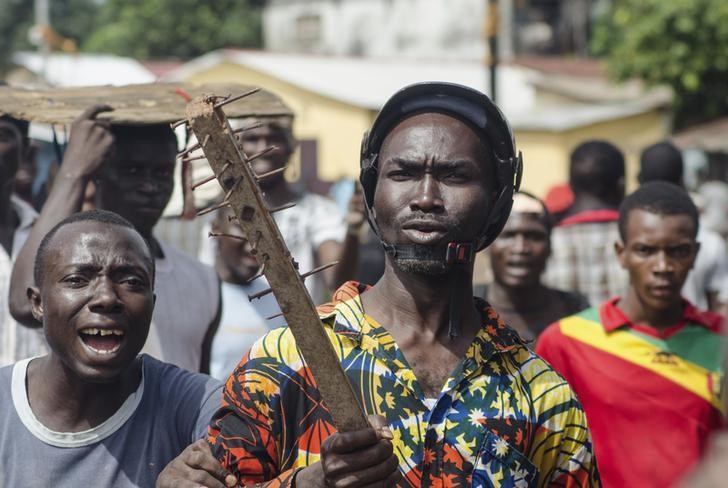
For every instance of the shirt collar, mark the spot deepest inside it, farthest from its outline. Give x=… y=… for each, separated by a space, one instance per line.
x=612 y=318
x=590 y=216
x=349 y=320
x=26 y=214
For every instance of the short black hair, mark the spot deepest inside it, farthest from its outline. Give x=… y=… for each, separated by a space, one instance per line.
x=661 y=162
x=102 y=216
x=23 y=126
x=658 y=197
x=161 y=132
x=595 y=168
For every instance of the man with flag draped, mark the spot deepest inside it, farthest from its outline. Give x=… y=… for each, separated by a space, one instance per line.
x=646 y=366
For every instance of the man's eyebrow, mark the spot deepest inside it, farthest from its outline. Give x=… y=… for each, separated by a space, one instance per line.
x=439 y=165
x=82 y=267
x=405 y=163
x=126 y=267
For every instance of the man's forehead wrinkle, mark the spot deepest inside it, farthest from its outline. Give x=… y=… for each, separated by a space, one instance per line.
x=119 y=247
x=432 y=135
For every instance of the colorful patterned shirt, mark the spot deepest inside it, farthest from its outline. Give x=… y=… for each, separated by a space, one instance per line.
x=651 y=396
x=503 y=418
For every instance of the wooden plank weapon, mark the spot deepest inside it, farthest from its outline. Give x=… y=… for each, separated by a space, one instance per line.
x=231 y=167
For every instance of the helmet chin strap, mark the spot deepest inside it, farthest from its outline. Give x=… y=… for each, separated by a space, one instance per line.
x=457 y=256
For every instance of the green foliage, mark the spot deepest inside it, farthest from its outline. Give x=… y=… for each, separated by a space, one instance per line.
x=73 y=19
x=680 y=43
x=182 y=28
x=15 y=19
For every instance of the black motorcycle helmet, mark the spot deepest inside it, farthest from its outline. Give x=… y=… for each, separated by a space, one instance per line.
x=463 y=103
x=477 y=110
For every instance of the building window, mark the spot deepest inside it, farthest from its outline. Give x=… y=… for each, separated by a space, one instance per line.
x=308 y=28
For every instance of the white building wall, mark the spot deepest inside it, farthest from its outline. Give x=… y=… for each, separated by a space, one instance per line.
x=380 y=28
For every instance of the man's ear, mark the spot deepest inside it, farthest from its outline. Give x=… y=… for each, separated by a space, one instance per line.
x=36 y=305
x=619 y=250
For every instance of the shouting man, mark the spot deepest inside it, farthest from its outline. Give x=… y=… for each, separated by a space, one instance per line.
x=92 y=412
x=456 y=398
x=132 y=168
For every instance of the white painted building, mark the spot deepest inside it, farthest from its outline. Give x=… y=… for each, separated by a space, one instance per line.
x=444 y=29
x=428 y=29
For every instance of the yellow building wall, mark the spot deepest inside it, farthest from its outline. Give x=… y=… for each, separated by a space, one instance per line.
x=337 y=127
x=546 y=154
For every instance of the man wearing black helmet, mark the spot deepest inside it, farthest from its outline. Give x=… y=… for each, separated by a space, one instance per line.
x=455 y=397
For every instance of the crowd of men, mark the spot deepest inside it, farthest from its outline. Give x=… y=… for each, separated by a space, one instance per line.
x=594 y=358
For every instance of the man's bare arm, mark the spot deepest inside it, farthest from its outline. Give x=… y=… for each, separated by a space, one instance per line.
x=89 y=145
x=346 y=253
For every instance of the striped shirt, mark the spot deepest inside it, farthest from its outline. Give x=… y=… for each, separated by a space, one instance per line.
x=651 y=397
x=503 y=418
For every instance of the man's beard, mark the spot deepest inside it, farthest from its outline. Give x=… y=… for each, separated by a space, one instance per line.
x=427 y=267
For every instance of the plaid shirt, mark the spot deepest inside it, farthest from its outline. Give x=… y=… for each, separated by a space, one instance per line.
x=503 y=418
x=583 y=258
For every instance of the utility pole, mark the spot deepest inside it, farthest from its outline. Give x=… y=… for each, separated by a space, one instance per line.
x=42 y=28
x=491 y=35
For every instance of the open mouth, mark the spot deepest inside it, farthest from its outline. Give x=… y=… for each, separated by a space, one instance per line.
x=102 y=341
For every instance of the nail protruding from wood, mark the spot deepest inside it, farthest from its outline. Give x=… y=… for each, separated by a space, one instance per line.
x=193 y=158
x=282 y=207
x=270 y=173
x=187 y=151
x=256 y=125
x=220 y=205
x=274 y=316
x=257 y=275
x=222 y=234
x=236 y=98
x=210 y=178
x=198 y=184
x=260 y=294
x=319 y=269
x=263 y=293
x=260 y=154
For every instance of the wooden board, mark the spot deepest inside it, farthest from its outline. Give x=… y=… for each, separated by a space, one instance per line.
x=150 y=103
x=243 y=194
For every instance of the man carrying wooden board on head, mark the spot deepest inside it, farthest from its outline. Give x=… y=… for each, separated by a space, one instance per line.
x=123 y=144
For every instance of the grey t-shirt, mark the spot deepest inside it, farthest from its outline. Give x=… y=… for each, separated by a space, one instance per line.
x=170 y=409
